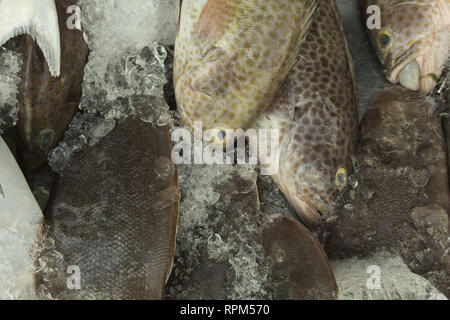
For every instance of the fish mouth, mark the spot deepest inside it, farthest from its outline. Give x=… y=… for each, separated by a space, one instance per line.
x=311 y=211
x=416 y=69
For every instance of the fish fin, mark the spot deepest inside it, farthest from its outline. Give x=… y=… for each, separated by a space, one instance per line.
x=39 y=19
x=2 y=194
x=212 y=22
x=178 y=12
x=310 y=13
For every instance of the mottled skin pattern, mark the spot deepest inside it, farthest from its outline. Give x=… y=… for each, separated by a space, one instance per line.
x=300 y=269
x=114 y=214
x=48 y=104
x=401 y=169
x=231 y=57
x=316 y=113
x=412 y=30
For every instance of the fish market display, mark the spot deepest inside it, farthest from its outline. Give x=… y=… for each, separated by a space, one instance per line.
x=231 y=57
x=113 y=215
x=336 y=179
x=412 y=41
x=399 y=197
x=48 y=100
x=317 y=117
x=20 y=229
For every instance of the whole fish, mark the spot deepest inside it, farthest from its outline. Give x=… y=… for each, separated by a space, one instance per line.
x=231 y=56
x=413 y=41
x=20 y=230
x=317 y=117
x=113 y=215
x=401 y=197
x=48 y=103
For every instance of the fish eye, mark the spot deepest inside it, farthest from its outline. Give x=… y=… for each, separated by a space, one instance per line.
x=46 y=138
x=341 y=178
x=385 y=39
x=221 y=134
x=280 y=256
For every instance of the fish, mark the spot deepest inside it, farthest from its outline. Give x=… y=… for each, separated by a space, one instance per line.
x=39 y=19
x=299 y=266
x=114 y=214
x=20 y=230
x=413 y=41
x=316 y=115
x=231 y=57
x=399 y=197
x=47 y=103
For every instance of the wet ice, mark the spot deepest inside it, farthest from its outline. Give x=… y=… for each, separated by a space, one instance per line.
x=10 y=63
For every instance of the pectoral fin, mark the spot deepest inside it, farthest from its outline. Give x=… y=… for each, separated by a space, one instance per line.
x=39 y=19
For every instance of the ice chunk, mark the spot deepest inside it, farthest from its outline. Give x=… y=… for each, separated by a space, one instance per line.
x=20 y=224
x=219 y=253
x=116 y=29
x=383 y=276
x=134 y=86
x=10 y=62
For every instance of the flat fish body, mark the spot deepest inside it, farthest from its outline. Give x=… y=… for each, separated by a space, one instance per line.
x=317 y=117
x=400 y=197
x=20 y=230
x=47 y=103
x=113 y=214
x=232 y=56
x=300 y=268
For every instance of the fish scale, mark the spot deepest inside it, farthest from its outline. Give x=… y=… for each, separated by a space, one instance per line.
x=317 y=117
x=232 y=56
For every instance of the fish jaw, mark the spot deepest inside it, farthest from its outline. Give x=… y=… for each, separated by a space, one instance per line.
x=422 y=71
x=39 y=19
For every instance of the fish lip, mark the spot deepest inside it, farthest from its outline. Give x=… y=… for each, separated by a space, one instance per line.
x=309 y=213
x=395 y=67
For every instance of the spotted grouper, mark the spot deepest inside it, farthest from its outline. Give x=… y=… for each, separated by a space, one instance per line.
x=317 y=117
x=413 y=41
x=231 y=57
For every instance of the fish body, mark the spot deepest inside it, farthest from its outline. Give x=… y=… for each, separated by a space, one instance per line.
x=47 y=104
x=232 y=56
x=317 y=117
x=114 y=215
x=413 y=42
x=20 y=228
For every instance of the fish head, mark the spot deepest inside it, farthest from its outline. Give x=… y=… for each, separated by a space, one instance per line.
x=316 y=177
x=412 y=41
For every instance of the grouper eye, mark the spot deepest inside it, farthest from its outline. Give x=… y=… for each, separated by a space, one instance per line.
x=341 y=178
x=385 y=39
